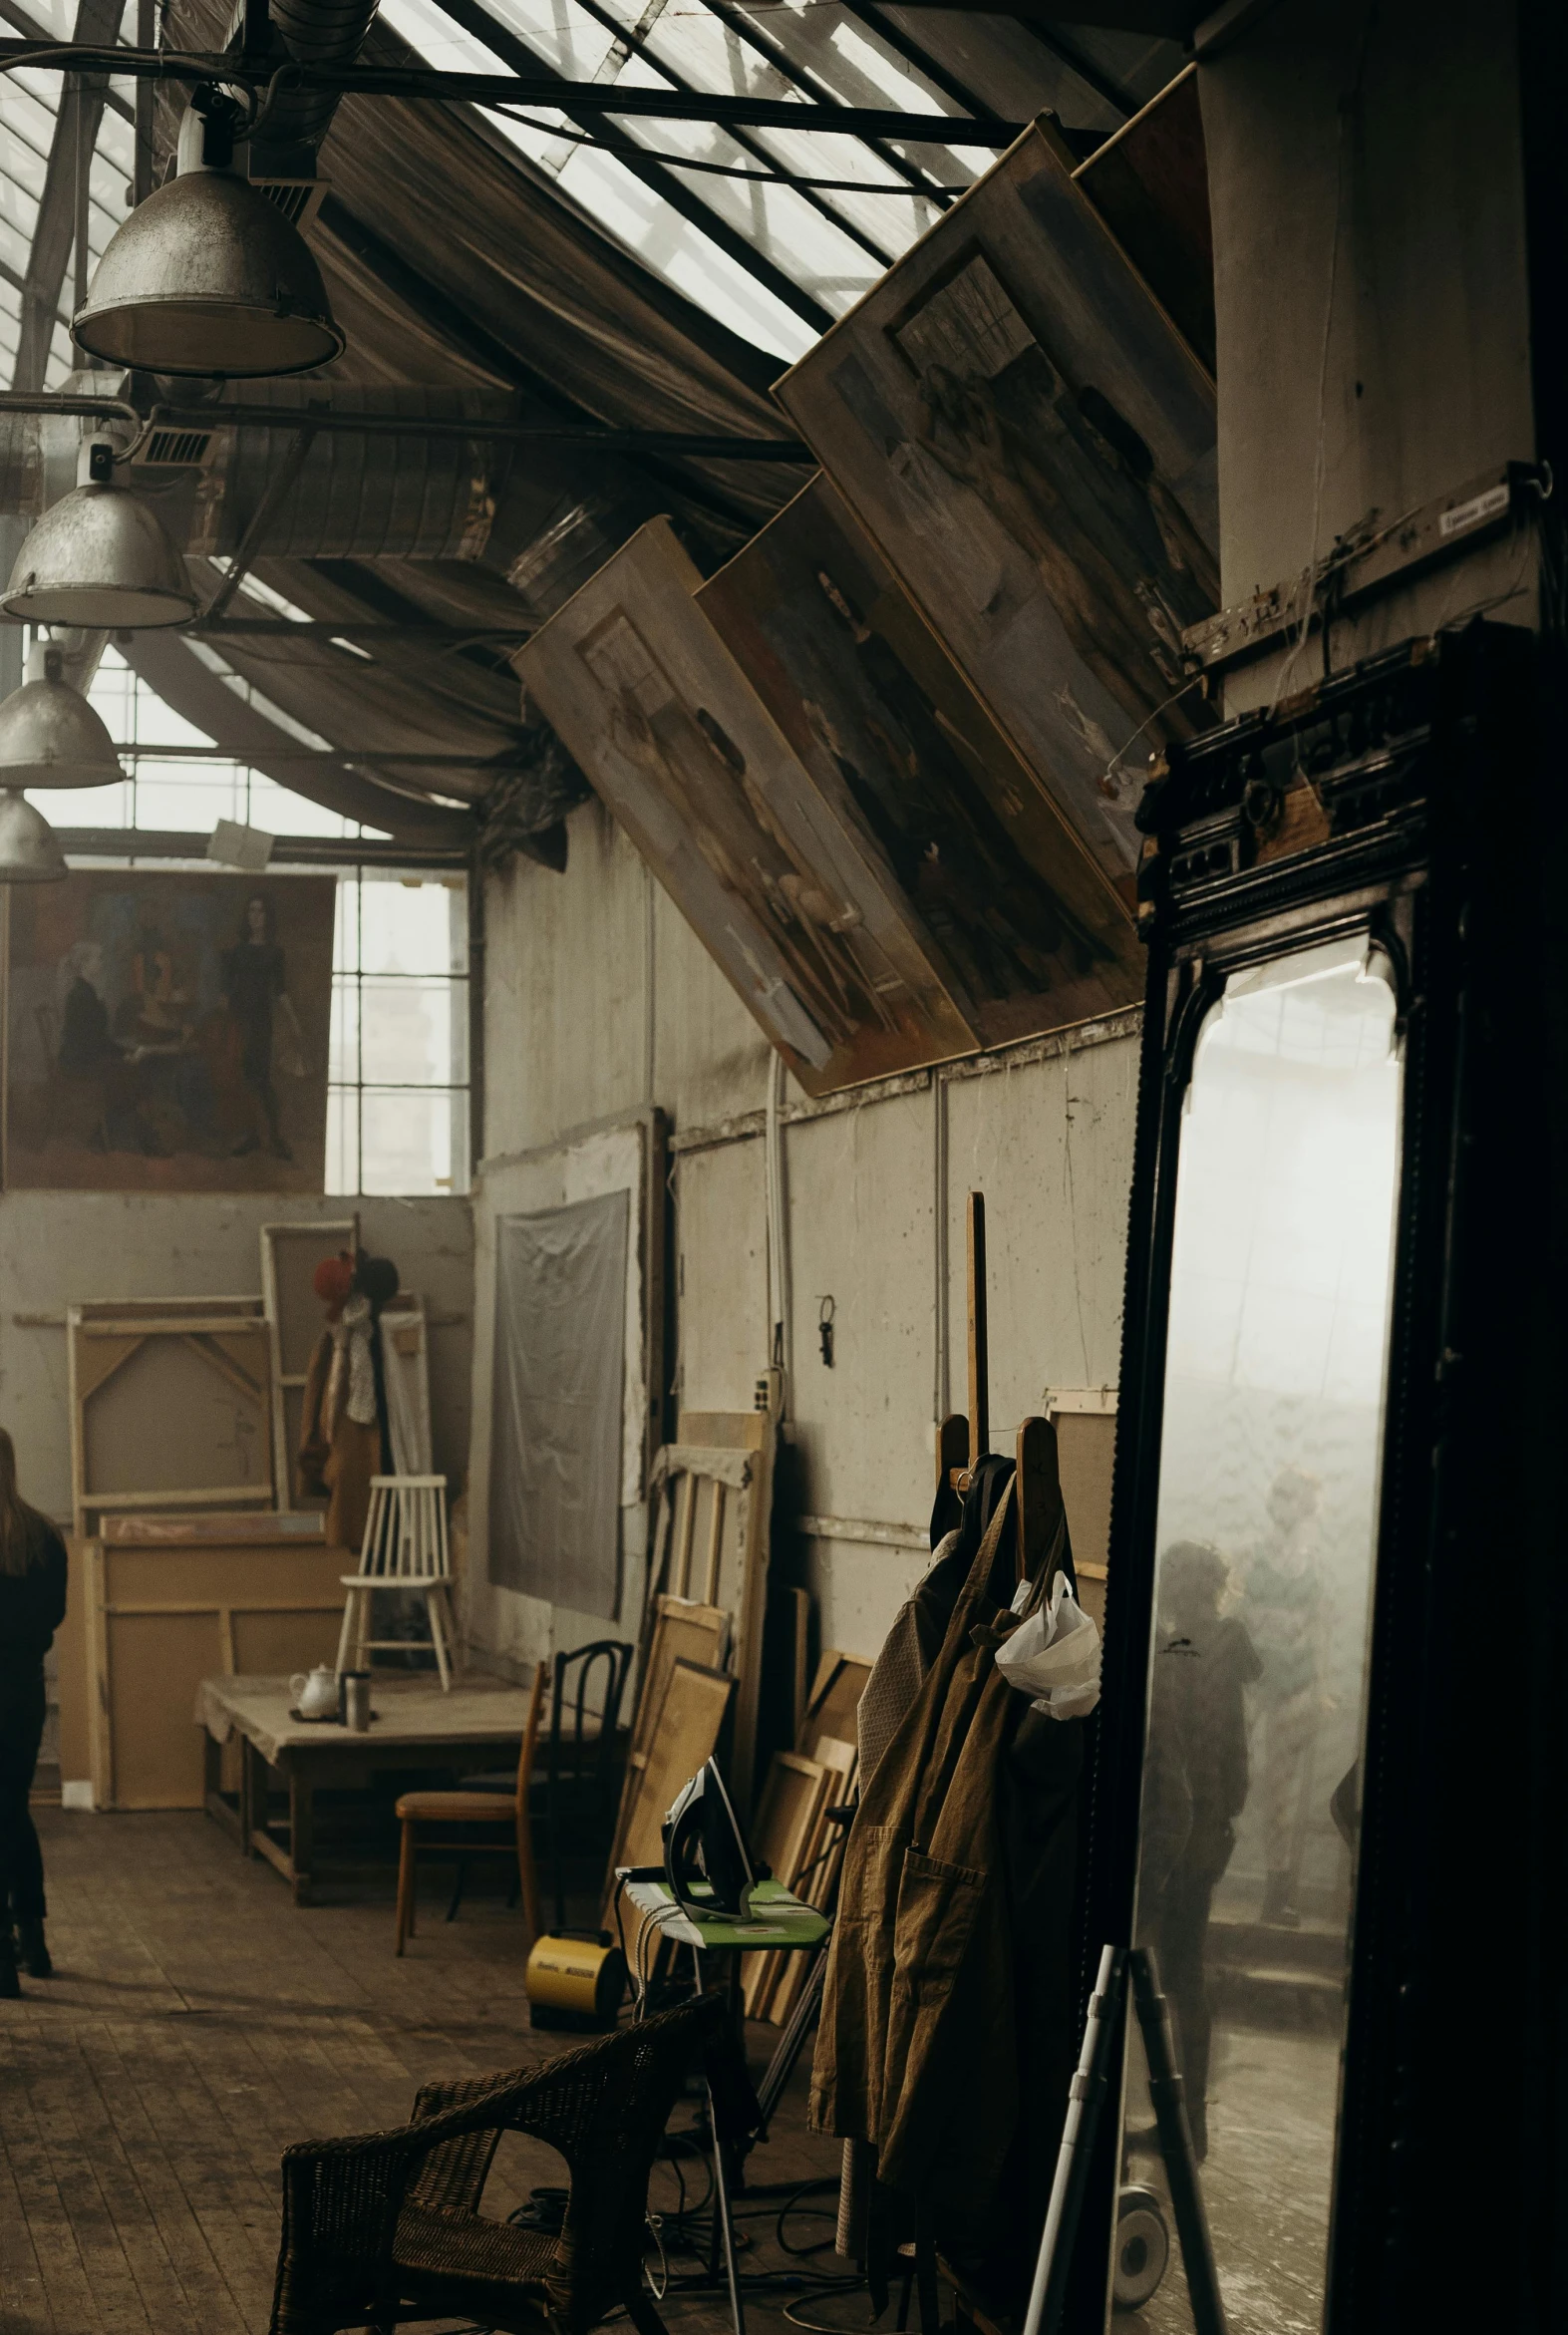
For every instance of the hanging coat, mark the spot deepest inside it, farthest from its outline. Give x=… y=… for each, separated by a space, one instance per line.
x=922 y=2050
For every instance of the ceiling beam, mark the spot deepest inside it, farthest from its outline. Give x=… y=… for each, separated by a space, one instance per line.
x=506 y=46
x=504 y=89
x=77 y=117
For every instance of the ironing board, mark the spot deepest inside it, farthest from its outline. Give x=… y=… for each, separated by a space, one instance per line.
x=785 y=1922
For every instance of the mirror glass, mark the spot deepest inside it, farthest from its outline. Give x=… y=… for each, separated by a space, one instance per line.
x=1287 y=1178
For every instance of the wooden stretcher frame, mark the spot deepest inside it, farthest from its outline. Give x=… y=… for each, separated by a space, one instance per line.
x=814 y=1875
x=719 y=1465
x=209 y=1327
x=685 y=1734
x=787 y=1812
x=230 y=1586
x=682 y=1631
x=1086 y=1403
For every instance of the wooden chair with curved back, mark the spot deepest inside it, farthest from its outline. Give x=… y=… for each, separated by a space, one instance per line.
x=458 y=1816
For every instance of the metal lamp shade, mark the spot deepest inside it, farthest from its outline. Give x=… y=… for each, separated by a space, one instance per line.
x=101 y=559
x=29 y=852
x=51 y=737
x=207 y=277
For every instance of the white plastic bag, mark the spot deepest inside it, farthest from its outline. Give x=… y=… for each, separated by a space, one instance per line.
x=1054 y=1657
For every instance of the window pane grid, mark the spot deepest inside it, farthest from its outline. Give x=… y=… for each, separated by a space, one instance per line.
x=400 y=1009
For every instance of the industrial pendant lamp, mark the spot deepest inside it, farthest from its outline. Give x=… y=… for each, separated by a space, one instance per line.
x=29 y=851
x=206 y=276
x=100 y=558
x=49 y=734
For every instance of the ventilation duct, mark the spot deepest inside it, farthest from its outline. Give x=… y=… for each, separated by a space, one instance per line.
x=544 y=522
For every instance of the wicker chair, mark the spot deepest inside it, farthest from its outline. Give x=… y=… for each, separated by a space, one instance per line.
x=385 y=2230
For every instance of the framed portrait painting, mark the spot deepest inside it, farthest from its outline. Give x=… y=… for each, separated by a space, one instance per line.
x=169 y=1033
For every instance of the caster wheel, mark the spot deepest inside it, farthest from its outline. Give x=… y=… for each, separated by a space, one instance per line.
x=1142 y=2248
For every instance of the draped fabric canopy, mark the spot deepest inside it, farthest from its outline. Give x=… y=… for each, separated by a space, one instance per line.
x=469 y=249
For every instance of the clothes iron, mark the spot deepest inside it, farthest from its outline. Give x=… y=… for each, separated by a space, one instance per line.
x=703 y=1839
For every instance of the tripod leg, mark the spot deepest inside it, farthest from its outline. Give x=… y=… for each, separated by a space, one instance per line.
x=1175 y=2143
x=1086 y=2099
x=925 y=2275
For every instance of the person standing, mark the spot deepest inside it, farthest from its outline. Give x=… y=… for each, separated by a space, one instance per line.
x=1196 y=1782
x=32 y=1607
x=253 y=983
x=1286 y=1612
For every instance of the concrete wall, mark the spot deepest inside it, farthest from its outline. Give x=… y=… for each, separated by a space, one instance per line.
x=601 y=1000
x=58 y=1248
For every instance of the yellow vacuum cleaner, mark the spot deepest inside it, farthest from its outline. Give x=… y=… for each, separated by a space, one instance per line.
x=575 y=1982
x=577 y=1979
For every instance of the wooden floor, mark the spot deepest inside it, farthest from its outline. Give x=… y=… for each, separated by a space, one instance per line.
x=199 y=2023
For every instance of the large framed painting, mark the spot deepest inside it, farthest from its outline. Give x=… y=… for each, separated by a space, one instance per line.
x=169 y=1033
x=1016 y=422
x=787 y=889
x=1030 y=930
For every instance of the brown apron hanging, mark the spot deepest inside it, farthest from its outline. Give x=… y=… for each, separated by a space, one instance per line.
x=918 y=2048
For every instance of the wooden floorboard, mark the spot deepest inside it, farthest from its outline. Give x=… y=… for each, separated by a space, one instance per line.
x=199 y=2022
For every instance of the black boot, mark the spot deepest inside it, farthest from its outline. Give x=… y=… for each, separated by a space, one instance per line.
x=32 y=1950
x=10 y=1984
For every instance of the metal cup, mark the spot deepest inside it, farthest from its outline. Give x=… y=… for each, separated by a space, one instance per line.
x=356 y=1700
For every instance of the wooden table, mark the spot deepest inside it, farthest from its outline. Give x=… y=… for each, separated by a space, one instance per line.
x=418 y=1727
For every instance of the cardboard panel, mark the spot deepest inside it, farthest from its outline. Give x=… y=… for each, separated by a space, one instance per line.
x=73 y=1671
x=155 y=1663
x=1087 y=1450
x=275 y=1645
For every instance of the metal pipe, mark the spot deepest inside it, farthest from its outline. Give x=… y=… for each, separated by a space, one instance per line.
x=142 y=166
x=497 y=762
x=696 y=446
x=709 y=447
x=500 y=89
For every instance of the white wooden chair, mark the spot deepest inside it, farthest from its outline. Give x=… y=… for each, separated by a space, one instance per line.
x=405 y=1549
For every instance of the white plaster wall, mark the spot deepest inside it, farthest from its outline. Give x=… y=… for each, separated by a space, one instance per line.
x=63 y=1249
x=600 y=999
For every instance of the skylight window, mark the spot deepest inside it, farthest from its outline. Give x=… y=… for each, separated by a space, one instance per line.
x=831 y=243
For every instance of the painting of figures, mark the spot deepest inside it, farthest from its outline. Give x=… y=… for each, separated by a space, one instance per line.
x=1031 y=445
x=169 y=1033
x=1030 y=931
x=805 y=922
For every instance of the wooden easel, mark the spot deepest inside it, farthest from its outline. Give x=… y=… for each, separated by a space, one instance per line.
x=962 y=1442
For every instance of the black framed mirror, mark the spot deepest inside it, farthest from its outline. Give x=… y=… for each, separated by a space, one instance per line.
x=1332 y=910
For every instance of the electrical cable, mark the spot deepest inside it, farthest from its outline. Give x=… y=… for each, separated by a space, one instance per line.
x=824 y=2326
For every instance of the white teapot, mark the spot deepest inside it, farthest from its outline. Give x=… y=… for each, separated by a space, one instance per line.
x=315 y=1697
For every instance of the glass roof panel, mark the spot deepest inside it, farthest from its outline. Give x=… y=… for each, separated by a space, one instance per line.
x=609 y=192
x=833 y=243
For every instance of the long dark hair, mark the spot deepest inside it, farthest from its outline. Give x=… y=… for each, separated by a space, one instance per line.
x=21 y=1540
x=269 y=927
